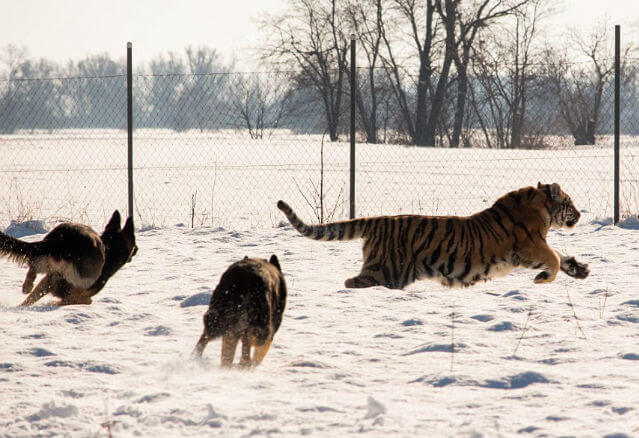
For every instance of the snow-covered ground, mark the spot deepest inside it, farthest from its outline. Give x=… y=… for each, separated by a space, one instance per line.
x=506 y=358
x=501 y=359
x=225 y=179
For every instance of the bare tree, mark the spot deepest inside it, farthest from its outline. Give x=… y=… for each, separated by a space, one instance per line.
x=421 y=120
x=11 y=56
x=312 y=37
x=463 y=24
x=262 y=102
x=505 y=68
x=579 y=86
x=365 y=18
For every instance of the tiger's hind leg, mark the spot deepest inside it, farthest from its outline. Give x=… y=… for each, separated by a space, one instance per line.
x=375 y=278
x=361 y=281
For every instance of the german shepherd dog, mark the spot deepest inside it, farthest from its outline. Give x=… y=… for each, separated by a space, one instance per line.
x=76 y=261
x=247 y=304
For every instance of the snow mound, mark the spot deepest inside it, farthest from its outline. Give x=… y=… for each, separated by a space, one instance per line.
x=51 y=410
x=27 y=228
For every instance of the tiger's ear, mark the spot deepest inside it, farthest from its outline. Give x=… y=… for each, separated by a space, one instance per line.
x=555 y=191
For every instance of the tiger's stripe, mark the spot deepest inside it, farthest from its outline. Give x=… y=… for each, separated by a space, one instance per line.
x=457 y=250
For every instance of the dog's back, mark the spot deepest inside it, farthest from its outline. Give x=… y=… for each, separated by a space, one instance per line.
x=247 y=304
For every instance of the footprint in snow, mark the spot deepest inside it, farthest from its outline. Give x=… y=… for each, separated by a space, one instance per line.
x=374 y=408
x=483 y=318
x=502 y=327
x=412 y=322
x=517 y=381
x=201 y=299
x=159 y=330
x=51 y=410
x=38 y=352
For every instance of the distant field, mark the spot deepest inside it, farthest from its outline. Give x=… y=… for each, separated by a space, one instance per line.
x=224 y=178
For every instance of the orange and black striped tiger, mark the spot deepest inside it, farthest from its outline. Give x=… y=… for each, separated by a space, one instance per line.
x=459 y=250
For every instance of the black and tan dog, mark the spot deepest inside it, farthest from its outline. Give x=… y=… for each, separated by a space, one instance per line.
x=247 y=304
x=76 y=261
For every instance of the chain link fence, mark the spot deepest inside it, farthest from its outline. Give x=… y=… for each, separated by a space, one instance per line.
x=221 y=149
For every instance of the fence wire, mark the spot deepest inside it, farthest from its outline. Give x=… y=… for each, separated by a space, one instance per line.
x=221 y=149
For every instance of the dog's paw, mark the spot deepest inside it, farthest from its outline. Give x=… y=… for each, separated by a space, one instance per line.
x=575 y=269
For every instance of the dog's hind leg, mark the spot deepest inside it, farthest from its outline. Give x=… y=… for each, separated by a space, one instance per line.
x=52 y=282
x=199 y=348
x=259 y=352
x=229 y=343
x=44 y=287
x=245 y=361
x=27 y=286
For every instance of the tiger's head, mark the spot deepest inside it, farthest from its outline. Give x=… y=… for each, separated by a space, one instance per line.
x=563 y=212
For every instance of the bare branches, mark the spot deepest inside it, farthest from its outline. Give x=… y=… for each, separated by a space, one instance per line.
x=311 y=36
x=579 y=87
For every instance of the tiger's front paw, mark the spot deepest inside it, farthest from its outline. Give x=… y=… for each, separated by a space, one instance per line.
x=575 y=269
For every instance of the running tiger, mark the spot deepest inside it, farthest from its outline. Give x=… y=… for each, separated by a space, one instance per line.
x=459 y=250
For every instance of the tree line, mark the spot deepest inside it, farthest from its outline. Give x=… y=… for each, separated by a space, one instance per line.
x=431 y=73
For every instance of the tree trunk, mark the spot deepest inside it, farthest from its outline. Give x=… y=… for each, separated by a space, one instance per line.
x=460 y=107
x=515 y=131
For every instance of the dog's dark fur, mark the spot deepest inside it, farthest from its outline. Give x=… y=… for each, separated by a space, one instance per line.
x=247 y=304
x=76 y=261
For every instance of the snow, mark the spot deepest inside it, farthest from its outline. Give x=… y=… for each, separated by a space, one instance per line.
x=500 y=359
x=504 y=358
x=26 y=228
x=225 y=179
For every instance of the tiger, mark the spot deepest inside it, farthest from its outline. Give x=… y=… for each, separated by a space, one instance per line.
x=459 y=251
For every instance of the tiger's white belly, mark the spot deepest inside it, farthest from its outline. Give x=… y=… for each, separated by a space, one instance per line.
x=476 y=274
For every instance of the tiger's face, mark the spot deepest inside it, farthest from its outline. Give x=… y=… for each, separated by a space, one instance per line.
x=563 y=212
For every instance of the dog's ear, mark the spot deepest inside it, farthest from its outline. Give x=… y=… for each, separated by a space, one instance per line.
x=114 y=222
x=539 y=185
x=128 y=226
x=273 y=261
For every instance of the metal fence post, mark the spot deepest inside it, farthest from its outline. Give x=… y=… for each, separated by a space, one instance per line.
x=352 y=130
x=129 y=121
x=617 y=97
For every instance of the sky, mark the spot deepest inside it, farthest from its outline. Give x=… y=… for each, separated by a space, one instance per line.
x=71 y=29
x=63 y=29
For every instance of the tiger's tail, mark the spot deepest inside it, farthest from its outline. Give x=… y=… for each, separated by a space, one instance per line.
x=344 y=230
x=18 y=250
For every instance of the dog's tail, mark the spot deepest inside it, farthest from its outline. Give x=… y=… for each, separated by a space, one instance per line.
x=18 y=250
x=344 y=230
